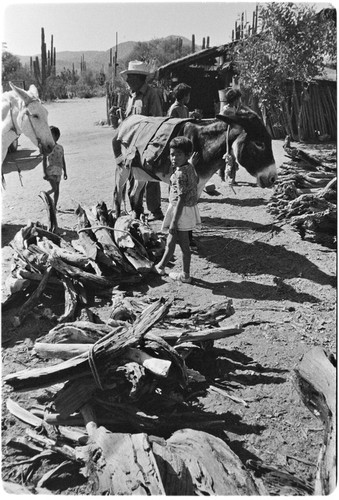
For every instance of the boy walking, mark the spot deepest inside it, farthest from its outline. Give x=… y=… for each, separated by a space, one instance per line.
x=53 y=165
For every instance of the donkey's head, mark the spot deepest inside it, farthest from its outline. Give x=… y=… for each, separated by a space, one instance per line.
x=252 y=145
x=32 y=119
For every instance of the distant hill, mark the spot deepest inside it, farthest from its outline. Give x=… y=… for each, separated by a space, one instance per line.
x=95 y=59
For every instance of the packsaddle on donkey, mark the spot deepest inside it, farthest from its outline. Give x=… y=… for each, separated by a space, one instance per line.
x=141 y=149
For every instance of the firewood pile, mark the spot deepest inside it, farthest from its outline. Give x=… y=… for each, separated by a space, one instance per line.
x=122 y=410
x=306 y=196
x=106 y=254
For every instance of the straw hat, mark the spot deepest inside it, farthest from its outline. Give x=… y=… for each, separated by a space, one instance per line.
x=136 y=68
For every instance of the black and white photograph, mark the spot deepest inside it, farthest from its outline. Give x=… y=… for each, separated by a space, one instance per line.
x=169 y=248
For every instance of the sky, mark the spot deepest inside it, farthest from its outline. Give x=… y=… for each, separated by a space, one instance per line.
x=82 y=26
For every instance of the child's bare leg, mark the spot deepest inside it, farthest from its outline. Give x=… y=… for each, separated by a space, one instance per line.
x=184 y=242
x=56 y=194
x=169 y=251
x=53 y=184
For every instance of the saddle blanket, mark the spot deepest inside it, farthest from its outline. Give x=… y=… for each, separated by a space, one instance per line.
x=146 y=140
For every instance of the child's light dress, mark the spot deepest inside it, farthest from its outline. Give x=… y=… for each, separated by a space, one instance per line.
x=183 y=182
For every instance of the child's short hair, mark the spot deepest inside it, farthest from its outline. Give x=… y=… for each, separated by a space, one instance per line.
x=181 y=90
x=183 y=143
x=55 y=131
x=232 y=95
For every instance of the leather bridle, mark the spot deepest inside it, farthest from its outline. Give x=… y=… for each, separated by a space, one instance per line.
x=26 y=112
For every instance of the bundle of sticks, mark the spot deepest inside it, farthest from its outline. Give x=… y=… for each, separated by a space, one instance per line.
x=305 y=197
x=107 y=253
x=123 y=383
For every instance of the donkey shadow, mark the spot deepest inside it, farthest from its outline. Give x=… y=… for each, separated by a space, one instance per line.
x=21 y=160
x=259 y=258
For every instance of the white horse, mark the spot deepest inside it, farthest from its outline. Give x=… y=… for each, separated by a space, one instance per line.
x=23 y=113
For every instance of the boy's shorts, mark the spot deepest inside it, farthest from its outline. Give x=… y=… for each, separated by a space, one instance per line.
x=55 y=178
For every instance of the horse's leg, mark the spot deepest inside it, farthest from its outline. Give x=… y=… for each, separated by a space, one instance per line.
x=121 y=177
x=136 y=196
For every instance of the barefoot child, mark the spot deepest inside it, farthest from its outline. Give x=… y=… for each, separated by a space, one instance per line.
x=53 y=166
x=182 y=214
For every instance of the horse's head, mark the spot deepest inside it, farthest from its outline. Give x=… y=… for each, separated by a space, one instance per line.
x=32 y=119
x=252 y=145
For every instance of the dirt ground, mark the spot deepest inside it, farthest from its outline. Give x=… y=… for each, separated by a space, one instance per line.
x=286 y=285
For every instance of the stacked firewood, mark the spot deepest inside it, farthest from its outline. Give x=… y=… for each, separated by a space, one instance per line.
x=306 y=196
x=119 y=392
x=106 y=254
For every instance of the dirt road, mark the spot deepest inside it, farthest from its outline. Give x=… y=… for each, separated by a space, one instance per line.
x=283 y=284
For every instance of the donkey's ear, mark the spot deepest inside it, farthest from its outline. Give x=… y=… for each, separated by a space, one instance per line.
x=22 y=94
x=33 y=91
x=248 y=120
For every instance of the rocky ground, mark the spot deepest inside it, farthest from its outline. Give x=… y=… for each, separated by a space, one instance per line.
x=284 y=286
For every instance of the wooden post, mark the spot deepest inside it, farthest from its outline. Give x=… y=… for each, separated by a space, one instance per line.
x=193 y=44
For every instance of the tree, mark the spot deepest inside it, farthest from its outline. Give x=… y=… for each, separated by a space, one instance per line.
x=290 y=48
x=12 y=69
x=159 y=51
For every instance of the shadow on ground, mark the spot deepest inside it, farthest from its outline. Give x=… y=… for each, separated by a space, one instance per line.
x=21 y=160
x=258 y=258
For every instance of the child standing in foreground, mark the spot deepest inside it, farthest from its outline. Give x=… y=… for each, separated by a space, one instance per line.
x=182 y=214
x=53 y=166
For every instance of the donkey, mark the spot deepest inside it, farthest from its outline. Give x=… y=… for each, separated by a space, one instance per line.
x=23 y=113
x=141 y=150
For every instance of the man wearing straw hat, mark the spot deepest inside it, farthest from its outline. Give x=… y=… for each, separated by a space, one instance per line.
x=144 y=100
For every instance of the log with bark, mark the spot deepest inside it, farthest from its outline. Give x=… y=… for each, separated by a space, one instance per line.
x=315 y=379
x=196 y=463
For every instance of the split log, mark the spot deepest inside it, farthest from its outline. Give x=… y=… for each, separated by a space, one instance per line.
x=315 y=379
x=33 y=299
x=105 y=238
x=77 y=332
x=89 y=243
x=73 y=396
x=210 y=314
x=31 y=419
x=70 y=257
x=51 y=215
x=210 y=334
x=71 y=301
x=196 y=463
x=133 y=250
x=88 y=279
x=64 y=467
x=63 y=449
x=157 y=366
x=127 y=465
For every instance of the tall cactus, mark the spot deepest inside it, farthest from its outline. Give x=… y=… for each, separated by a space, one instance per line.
x=47 y=67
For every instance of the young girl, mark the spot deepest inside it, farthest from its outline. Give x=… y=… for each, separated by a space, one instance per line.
x=182 y=214
x=53 y=166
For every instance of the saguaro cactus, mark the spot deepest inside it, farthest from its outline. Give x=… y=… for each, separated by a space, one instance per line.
x=47 y=67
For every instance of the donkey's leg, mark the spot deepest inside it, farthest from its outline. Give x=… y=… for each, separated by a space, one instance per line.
x=121 y=177
x=136 y=196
